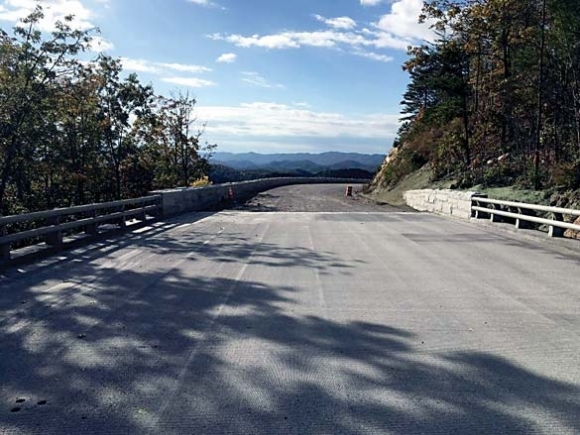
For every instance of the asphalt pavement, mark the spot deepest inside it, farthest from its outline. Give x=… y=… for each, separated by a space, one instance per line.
x=302 y=312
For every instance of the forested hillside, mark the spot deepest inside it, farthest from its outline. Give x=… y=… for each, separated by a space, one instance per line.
x=74 y=131
x=496 y=99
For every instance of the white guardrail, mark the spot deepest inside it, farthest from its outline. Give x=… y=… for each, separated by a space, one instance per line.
x=51 y=225
x=496 y=209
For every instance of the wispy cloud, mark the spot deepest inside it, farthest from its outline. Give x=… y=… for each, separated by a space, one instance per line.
x=54 y=11
x=139 y=65
x=195 y=69
x=105 y=3
x=284 y=40
x=227 y=58
x=395 y=30
x=165 y=72
x=206 y=3
x=99 y=44
x=338 y=22
x=256 y=79
x=274 y=121
x=192 y=82
x=370 y=2
x=142 y=65
x=373 y=56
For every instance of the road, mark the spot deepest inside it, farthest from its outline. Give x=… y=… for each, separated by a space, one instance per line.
x=354 y=318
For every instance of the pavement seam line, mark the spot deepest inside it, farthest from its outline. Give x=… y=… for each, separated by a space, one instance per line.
x=198 y=346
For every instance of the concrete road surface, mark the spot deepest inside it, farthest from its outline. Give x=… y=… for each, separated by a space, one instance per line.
x=368 y=320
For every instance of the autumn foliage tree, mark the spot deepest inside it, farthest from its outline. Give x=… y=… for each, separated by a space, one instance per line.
x=73 y=131
x=497 y=95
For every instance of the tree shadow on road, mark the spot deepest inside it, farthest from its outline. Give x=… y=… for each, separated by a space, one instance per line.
x=164 y=350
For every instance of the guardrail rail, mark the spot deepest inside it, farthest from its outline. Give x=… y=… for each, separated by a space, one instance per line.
x=51 y=225
x=496 y=209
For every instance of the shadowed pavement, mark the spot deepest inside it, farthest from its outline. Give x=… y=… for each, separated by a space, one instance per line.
x=368 y=320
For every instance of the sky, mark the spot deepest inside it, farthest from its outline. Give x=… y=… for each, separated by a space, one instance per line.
x=268 y=75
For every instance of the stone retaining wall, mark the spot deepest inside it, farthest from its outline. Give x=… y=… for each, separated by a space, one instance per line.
x=182 y=200
x=448 y=202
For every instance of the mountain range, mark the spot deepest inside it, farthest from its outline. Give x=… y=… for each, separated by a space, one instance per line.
x=227 y=167
x=312 y=163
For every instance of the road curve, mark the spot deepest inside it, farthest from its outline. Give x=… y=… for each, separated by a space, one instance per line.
x=313 y=198
x=369 y=320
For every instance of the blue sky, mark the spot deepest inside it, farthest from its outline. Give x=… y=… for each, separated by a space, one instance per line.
x=268 y=75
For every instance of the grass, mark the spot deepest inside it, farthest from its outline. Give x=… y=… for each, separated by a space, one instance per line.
x=515 y=193
x=420 y=179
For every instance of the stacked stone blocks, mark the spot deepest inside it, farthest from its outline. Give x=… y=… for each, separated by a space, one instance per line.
x=443 y=201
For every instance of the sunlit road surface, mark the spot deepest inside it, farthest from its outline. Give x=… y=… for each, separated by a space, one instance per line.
x=370 y=320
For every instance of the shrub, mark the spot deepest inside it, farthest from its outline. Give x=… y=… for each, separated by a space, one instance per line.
x=201 y=182
x=566 y=175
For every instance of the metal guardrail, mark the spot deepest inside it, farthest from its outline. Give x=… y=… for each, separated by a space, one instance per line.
x=51 y=225
x=496 y=209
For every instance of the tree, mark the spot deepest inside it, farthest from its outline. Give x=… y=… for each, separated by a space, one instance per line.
x=72 y=131
x=173 y=142
x=30 y=67
x=501 y=80
x=119 y=102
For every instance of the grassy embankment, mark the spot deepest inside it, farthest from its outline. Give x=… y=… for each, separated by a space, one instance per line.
x=423 y=179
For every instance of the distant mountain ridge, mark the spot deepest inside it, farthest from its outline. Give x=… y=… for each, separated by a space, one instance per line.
x=299 y=161
x=228 y=167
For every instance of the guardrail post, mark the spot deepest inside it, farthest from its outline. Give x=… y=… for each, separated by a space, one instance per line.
x=479 y=214
x=159 y=211
x=4 y=253
x=92 y=229
x=142 y=217
x=55 y=238
x=476 y=213
x=122 y=223
x=522 y=224
x=4 y=248
x=556 y=231
x=494 y=217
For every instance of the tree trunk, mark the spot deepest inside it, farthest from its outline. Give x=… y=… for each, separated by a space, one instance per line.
x=540 y=86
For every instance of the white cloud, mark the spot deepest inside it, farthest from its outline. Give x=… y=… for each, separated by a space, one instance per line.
x=192 y=82
x=206 y=3
x=269 y=41
x=292 y=39
x=370 y=2
x=274 y=120
x=397 y=30
x=164 y=70
x=338 y=22
x=195 y=69
x=99 y=44
x=402 y=21
x=141 y=65
x=54 y=10
x=373 y=56
x=227 y=58
x=256 y=79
